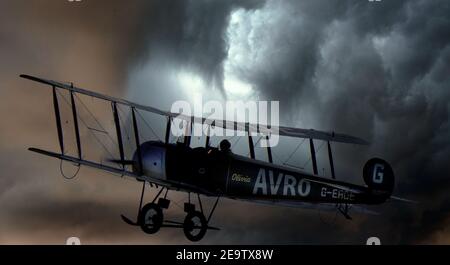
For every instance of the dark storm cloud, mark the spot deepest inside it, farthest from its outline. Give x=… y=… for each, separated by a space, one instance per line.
x=191 y=34
x=63 y=41
x=92 y=43
x=378 y=71
x=374 y=70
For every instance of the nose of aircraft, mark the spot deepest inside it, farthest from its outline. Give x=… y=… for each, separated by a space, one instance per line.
x=153 y=160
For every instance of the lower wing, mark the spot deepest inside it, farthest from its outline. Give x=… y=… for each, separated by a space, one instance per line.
x=165 y=183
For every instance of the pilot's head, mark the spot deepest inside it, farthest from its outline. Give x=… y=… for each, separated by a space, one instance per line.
x=225 y=146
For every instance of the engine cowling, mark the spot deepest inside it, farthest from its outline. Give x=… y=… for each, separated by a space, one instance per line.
x=153 y=160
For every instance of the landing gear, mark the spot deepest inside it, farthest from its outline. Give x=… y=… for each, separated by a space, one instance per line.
x=195 y=223
x=344 y=210
x=151 y=218
x=195 y=226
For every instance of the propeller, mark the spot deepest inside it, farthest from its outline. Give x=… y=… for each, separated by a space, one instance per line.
x=122 y=162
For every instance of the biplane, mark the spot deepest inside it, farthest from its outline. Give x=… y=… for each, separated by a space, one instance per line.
x=218 y=172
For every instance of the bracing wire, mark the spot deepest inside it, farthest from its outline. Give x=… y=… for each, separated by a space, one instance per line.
x=62 y=171
x=255 y=144
x=258 y=140
x=235 y=143
x=123 y=116
x=309 y=160
x=296 y=149
x=96 y=120
x=148 y=125
x=85 y=124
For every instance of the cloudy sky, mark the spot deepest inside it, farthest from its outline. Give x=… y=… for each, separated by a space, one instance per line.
x=378 y=70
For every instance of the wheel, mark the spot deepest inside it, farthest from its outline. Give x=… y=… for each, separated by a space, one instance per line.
x=151 y=218
x=195 y=226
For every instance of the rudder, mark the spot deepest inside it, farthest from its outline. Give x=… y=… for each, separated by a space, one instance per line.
x=379 y=177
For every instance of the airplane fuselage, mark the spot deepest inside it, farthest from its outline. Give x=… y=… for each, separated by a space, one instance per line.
x=238 y=177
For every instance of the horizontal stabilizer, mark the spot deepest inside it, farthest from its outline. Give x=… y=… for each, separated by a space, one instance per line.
x=398 y=199
x=312 y=206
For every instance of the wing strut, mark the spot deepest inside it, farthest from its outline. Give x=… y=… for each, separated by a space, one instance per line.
x=136 y=137
x=330 y=155
x=251 y=146
x=118 y=132
x=208 y=134
x=75 y=122
x=280 y=130
x=188 y=133
x=269 y=150
x=58 y=120
x=169 y=124
x=207 y=137
x=313 y=155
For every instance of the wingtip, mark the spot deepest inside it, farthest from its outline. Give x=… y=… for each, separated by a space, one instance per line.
x=32 y=149
x=30 y=77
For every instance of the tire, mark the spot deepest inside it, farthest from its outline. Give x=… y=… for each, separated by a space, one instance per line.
x=195 y=221
x=151 y=218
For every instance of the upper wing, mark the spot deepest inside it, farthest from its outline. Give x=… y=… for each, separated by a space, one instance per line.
x=94 y=94
x=281 y=130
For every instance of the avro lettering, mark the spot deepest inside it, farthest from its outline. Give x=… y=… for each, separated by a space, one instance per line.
x=290 y=185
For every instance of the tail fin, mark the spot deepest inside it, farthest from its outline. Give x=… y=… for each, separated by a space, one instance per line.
x=379 y=177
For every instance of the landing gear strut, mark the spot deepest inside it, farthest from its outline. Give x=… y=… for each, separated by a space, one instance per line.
x=151 y=218
x=195 y=223
x=344 y=210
